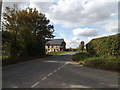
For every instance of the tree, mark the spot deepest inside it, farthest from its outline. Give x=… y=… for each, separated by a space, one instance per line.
x=81 y=46
x=28 y=30
x=11 y=31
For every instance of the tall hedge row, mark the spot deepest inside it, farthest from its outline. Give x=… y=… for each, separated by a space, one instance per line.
x=104 y=46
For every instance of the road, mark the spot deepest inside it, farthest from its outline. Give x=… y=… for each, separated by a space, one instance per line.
x=56 y=72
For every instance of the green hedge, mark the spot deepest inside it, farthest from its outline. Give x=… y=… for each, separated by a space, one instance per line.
x=109 y=63
x=79 y=56
x=105 y=46
x=112 y=64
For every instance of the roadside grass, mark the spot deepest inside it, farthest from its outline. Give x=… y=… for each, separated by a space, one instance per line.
x=80 y=57
x=9 y=61
x=58 y=53
x=109 y=63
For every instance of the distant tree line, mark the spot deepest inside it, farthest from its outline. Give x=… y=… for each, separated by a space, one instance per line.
x=71 y=49
x=25 y=32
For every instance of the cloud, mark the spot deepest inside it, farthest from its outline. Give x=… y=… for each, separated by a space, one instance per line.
x=76 y=13
x=39 y=5
x=29 y=0
x=107 y=0
x=42 y=6
x=100 y=35
x=11 y=4
x=85 y=32
x=73 y=42
x=111 y=26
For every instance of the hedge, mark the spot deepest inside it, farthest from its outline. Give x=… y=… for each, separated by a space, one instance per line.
x=79 y=56
x=104 y=46
x=112 y=64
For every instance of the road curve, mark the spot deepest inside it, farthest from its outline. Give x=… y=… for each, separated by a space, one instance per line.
x=56 y=72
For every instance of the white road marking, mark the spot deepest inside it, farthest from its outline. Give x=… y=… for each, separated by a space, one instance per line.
x=35 y=84
x=54 y=71
x=43 y=78
x=49 y=74
x=59 y=68
x=62 y=66
x=66 y=63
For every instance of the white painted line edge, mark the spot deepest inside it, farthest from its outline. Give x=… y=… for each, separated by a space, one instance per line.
x=35 y=84
x=55 y=71
x=50 y=74
x=43 y=78
x=59 y=68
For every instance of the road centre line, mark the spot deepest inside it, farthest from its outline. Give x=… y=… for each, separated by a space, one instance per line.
x=59 y=68
x=54 y=71
x=43 y=78
x=35 y=84
x=49 y=75
x=62 y=66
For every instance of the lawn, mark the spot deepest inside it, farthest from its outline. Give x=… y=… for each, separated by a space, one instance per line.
x=57 y=53
x=109 y=63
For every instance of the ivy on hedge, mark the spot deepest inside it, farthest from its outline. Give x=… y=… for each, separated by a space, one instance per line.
x=105 y=46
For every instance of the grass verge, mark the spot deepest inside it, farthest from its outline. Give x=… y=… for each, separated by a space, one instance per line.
x=109 y=63
x=57 y=53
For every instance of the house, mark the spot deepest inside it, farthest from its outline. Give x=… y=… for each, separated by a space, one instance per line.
x=55 y=45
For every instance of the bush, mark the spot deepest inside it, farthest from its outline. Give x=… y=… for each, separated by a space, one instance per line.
x=102 y=53
x=104 y=63
x=79 y=56
x=105 y=46
x=109 y=63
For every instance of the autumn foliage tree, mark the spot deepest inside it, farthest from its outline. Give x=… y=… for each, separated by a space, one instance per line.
x=25 y=32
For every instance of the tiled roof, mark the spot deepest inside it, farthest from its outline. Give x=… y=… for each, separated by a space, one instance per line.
x=55 y=41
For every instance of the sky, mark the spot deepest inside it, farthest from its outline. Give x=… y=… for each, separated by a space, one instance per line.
x=76 y=20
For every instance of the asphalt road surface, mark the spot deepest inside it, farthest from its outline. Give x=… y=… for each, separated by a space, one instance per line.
x=56 y=72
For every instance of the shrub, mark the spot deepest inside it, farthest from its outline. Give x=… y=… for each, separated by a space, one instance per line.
x=104 y=63
x=79 y=56
x=105 y=46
